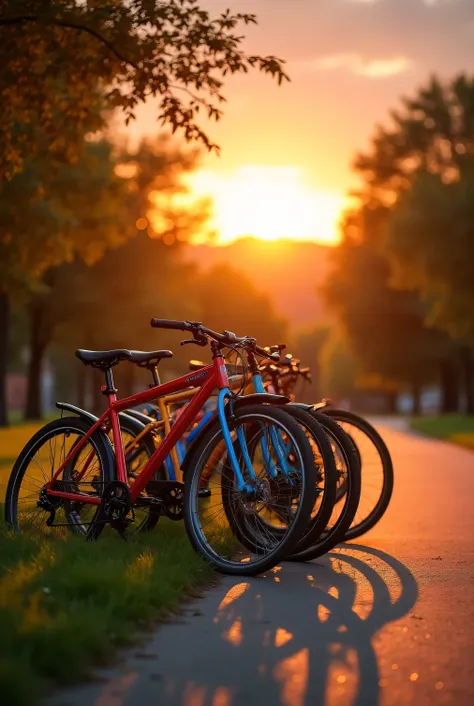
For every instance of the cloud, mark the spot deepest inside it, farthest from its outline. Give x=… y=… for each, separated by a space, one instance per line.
x=372 y=68
x=438 y=2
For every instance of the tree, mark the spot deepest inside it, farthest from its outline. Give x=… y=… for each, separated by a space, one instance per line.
x=385 y=326
x=64 y=65
x=108 y=302
x=173 y=51
x=51 y=215
x=431 y=133
x=431 y=245
x=431 y=242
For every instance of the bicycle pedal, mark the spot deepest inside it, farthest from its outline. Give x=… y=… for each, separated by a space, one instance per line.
x=204 y=493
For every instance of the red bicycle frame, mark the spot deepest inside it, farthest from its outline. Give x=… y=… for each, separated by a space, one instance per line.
x=208 y=379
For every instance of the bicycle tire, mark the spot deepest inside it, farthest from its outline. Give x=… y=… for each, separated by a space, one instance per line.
x=42 y=436
x=317 y=524
x=211 y=438
x=337 y=532
x=345 y=417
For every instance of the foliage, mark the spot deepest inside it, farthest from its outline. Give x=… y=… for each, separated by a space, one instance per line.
x=385 y=285
x=431 y=243
x=108 y=303
x=421 y=169
x=51 y=213
x=66 y=66
x=385 y=326
x=173 y=51
x=433 y=131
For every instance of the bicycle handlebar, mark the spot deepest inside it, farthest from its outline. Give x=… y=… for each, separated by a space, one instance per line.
x=171 y=324
x=285 y=369
x=200 y=332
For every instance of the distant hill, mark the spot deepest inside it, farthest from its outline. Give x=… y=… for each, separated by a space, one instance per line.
x=288 y=271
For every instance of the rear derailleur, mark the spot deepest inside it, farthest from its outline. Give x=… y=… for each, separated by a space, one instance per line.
x=50 y=504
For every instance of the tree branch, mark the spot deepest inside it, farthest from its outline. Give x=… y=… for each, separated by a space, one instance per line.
x=71 y=25
x=195 y=97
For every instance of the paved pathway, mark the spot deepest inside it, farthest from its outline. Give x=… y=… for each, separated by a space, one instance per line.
x=389 y=620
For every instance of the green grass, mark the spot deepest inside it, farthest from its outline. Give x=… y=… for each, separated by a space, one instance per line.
x=66 y=605
x=457 y=428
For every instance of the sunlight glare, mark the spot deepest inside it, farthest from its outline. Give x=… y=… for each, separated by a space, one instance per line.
x=269 y=203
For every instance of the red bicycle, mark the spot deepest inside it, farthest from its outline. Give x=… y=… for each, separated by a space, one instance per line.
x=70 y=475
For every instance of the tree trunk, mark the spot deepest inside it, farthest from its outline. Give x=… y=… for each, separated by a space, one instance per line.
x=449 y=379
x=467 y=359
x=416 y=391
x=4 y=339
x=37 y=350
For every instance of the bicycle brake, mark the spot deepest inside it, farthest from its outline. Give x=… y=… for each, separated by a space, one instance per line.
x=196 y=342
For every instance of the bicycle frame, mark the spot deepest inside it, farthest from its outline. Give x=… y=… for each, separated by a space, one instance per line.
x=164 y=422
x=174 y=460
x=254 y=385
x=177 y=454
x=207 y=379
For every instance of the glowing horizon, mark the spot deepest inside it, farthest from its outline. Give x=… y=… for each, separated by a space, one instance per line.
x=268 y=203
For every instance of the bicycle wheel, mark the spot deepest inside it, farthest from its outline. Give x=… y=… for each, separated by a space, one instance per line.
x=376 y=468
x=218 y=513
x=326 y=479
x=347 y=494
x=40 y=459
x=326 y=476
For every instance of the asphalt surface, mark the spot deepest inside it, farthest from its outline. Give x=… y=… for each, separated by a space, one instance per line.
x=388 y=620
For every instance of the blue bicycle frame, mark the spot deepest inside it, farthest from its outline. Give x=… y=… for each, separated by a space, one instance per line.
x=277 y=442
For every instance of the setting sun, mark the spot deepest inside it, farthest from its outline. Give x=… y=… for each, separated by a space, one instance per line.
x=269 y=203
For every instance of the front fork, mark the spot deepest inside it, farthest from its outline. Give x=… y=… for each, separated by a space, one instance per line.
x=242 y=486
x=279 y=445
x=277 y=442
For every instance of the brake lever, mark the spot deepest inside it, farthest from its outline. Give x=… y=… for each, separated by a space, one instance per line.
x=193 y=340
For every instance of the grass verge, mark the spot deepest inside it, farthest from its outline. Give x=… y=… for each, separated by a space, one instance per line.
x=457 y=428
x=65 y=605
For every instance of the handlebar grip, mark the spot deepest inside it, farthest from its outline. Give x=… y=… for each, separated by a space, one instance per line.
x=170 y=324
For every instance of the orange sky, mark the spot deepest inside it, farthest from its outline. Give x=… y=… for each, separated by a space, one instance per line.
x=349 y=61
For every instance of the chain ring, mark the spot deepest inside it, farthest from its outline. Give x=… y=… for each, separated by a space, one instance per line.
x=116 y=503
x=173 y=503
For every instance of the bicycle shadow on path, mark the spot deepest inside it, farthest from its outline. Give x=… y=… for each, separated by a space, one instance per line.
x=300 y=635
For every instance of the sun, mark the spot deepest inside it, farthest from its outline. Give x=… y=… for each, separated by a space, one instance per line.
x=269 y=203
